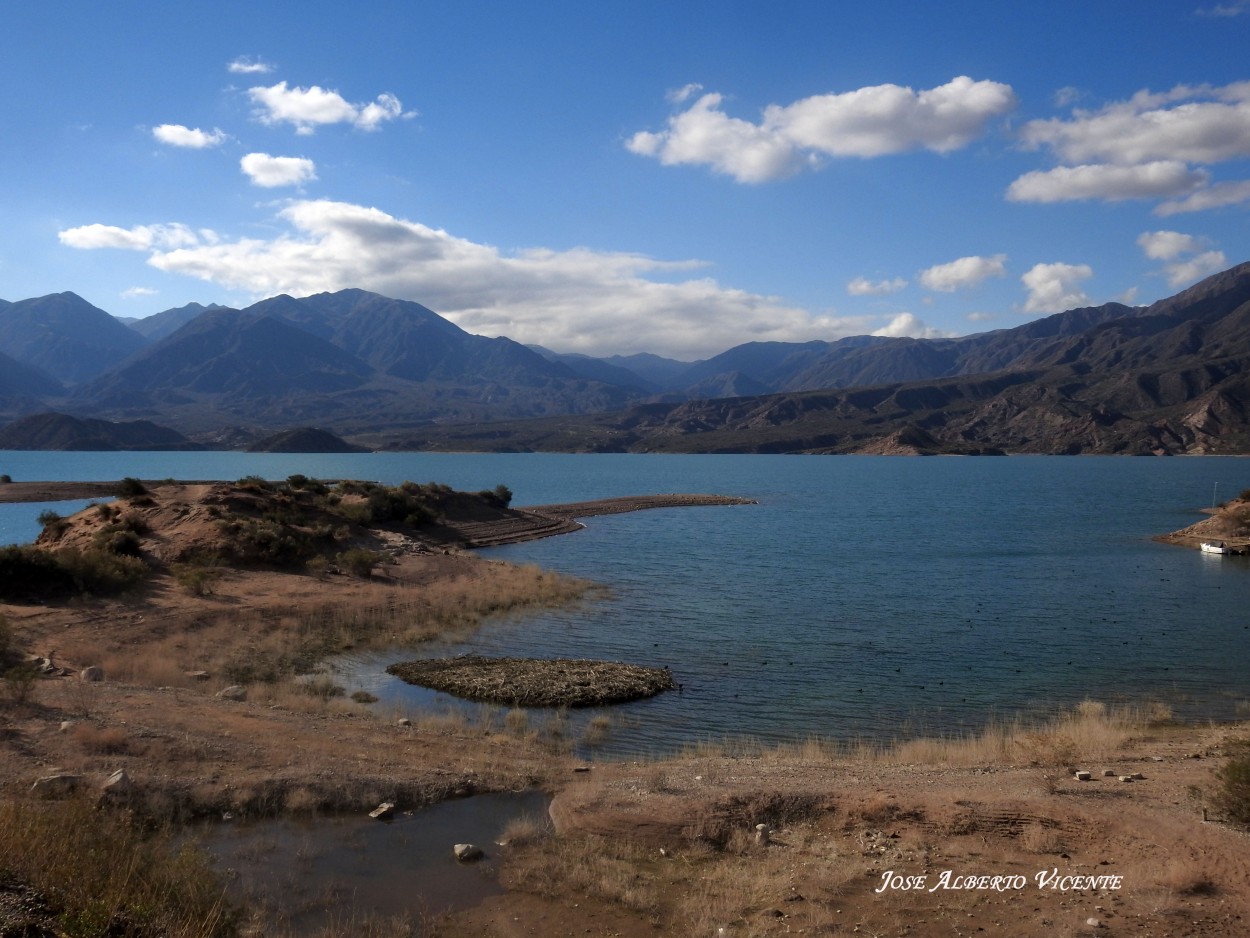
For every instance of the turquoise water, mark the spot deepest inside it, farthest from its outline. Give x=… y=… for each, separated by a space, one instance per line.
x=862 y=596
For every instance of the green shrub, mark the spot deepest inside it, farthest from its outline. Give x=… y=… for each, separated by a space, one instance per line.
x=31 y=573
x=322 y=687
x=18 y=682
x=118 y=541
x=131 y=487
x=1233 y=795
x=198 y=581
x=359 y=562
x=5 y=479
x=52 y=522
x=99 y=573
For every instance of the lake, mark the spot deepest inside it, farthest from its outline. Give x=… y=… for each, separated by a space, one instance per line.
x=862 y=597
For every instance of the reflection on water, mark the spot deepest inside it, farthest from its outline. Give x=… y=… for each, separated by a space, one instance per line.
x=314 y=873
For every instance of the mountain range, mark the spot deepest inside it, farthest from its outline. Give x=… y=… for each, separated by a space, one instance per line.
x=1167 y=378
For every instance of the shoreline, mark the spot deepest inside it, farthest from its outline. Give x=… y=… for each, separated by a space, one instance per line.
x=836 y=816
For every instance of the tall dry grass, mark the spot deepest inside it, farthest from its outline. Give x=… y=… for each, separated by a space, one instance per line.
x=105 y=874
x=265 y=645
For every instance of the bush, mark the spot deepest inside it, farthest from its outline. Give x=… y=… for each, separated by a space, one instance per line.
x=359 y=562
x=18 y=682
x=99 y=573
x=5 y=479
x=53 y=523
x=198 y=581
x=31 y=573
x=118 y=541
x=1233 y=796
x=131 y=487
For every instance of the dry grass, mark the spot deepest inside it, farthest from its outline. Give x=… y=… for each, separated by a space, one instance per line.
x=96 y=740
x=104 y=874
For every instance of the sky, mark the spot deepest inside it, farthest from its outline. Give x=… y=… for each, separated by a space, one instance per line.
x=620 y=177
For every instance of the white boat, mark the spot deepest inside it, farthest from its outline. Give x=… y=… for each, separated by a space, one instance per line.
x=1216 y=547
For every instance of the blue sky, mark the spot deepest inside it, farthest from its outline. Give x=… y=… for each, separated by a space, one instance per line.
x=635 y=176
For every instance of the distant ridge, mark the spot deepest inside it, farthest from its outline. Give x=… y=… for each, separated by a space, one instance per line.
x=62 y=432
x=304 y=440
x=1168 y=378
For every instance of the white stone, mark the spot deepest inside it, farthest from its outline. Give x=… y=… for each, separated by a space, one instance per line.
x=233 y=692
x=467 y=853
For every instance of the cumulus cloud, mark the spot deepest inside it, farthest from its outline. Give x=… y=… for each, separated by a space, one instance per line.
x=135 y=292
x=963 y=273
x=308 y=108
x=1181 y=273
x=861 y=286
x=1192 y=124
x=176 y=135
x=1165 y=245
x=138 y=238
x=1186 y=256
x=1110 y=183
x=246 y=65
x=867 y=122
x=908 y=325
x=576 y=300
x=1054 y=288
x=271 y=171
x=1216 y=196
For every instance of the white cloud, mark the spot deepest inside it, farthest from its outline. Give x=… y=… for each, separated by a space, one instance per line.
x=861 y=286
x=1165 y=245
x=981 y=317
x=138 y=238
x=1187 y=256
x=246 y=65
x=1216 y=196
x=1236 y=8
x=871 y=121
x=907 y=325
x=271 y=171
x=176 y=135
x=1192 y=124
x=135 y=292
x=306 y=108
x=575 y=300
x=1108 y=182
x=963 y=273
x=1181 y=273
x=1054 y=288
x=684 y=93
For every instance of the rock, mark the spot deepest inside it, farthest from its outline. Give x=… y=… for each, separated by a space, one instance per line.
x=403 y=721
x=1126 y=778
x=233 y=692
x=119 y=783
x=1083 y=776
x=91 y=673
x=383 y=812
x=56 y=786
x=1137 y=777
x=67 y=725
x=761 y=834
x=467 y=853
x=1108 y=773
x=198 y=675
x=1093 y=922
x=581 y=768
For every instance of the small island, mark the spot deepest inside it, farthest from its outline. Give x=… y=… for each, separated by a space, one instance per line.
x=536 y=682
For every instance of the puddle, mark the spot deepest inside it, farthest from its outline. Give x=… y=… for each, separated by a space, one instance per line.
x=313 y=873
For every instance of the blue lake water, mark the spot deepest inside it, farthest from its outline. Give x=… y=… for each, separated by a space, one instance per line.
x=862 y=596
